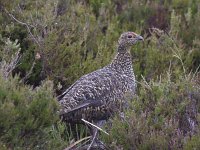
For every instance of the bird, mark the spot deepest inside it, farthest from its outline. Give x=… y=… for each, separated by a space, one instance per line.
x=98 y=95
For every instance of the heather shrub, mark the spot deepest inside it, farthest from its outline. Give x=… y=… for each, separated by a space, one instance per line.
x=27 y=115
x=45 y=46
x=165 y=111
x=76 y=37
x=164 y=115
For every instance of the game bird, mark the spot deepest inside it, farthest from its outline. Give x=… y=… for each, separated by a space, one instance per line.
x=100 y=94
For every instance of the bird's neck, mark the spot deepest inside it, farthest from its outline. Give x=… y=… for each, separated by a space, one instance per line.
x=122 y=62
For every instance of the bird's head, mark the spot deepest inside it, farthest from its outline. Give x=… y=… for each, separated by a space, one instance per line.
x=127 y=40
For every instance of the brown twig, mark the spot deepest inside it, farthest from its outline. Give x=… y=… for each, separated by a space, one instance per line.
x=25 y=24
x=77 y=142
x=93 y=139
x=87 y=122
x=31 y=34
x=29 y=72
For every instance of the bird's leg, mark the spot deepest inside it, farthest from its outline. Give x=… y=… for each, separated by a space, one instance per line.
x=95 y=134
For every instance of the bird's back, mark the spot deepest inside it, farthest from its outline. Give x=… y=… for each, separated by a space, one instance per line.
x=94 y=96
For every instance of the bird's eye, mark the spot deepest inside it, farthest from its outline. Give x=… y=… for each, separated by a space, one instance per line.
x=130 y=36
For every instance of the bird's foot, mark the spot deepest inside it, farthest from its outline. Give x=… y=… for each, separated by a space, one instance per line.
x=96 y=145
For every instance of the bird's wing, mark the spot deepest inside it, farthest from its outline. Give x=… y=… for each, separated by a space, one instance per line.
x=83 y=105
x=93 y=87
x=77 y=82
x=59 y=97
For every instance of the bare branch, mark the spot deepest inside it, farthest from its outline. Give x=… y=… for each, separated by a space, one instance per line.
x=29 y=72
x=25 y=24
x=31 y=34
x=8 y=67
x=93 y=139
x=87 y=122
x=77 y=142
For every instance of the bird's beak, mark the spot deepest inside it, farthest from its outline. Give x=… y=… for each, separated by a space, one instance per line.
x=138 y=37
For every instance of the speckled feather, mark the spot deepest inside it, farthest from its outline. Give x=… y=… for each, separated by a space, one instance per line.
x=97 y=95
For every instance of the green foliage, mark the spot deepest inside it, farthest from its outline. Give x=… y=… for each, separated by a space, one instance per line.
x=8 y=48
x=62 y=40
x=193 y=143
x=9 y=55
x=78 y=37
x=158 y=118
x=165 y=112
x=27 y=114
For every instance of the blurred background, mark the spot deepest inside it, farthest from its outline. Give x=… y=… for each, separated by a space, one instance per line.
x=47 y=45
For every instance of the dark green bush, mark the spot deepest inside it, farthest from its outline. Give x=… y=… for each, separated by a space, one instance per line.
x=164 y=115
x=27 y=115
x=67 y=39
x=165 y=112
x=77 y=37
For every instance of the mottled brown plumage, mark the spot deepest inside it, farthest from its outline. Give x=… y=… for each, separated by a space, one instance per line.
x=97 y=95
